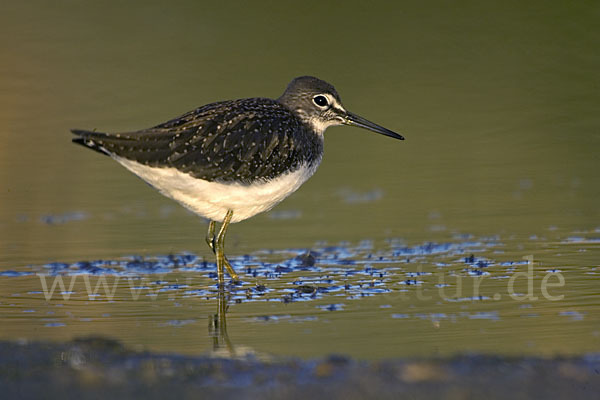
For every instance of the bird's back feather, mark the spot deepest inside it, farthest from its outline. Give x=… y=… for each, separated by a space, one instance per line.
x=232 y=141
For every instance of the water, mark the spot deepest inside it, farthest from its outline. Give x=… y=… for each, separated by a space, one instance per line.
x=499 y=107
x=396 y=300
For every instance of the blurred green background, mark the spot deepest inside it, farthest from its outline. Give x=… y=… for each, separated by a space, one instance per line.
x=499 y=103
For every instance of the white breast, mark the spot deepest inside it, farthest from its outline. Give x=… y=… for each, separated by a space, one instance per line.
x=211 y=199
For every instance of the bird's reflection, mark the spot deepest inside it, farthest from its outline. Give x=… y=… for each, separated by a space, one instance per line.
x=217 y=331
x=217 y=326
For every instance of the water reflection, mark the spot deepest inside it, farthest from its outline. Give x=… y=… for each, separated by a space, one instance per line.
x=217 y=326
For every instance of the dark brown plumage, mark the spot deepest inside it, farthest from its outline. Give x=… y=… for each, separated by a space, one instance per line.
x=231 y=141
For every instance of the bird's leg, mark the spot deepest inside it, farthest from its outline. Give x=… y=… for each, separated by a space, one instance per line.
x=220 y=251
x=211 y=240
x=210 y=236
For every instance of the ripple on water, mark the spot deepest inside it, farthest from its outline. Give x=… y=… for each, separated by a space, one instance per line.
x=348 y=270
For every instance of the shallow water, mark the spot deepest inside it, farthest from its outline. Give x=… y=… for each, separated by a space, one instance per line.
x=464 y=295
x=497 y=181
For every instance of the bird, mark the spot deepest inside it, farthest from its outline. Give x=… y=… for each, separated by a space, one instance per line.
x=230 y=160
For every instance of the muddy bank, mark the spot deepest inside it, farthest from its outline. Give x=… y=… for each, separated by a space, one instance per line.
x=94 y=368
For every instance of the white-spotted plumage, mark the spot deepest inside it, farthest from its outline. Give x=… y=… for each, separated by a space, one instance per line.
x=212 y=200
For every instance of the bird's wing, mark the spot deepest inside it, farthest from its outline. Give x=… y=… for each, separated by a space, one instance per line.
x=239 y=140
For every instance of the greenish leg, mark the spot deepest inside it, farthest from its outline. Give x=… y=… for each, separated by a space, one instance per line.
x=211 y=240
x=210 y=236
x=218 y=247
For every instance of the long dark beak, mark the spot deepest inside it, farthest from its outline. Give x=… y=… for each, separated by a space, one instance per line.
x=355 y=120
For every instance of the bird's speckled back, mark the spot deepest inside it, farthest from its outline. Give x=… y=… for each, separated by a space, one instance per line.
x=242 y=141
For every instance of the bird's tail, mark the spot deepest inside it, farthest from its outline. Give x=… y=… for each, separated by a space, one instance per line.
x=90 y=140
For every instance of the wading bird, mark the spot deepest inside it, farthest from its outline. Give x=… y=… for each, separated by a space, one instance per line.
x=230 y=160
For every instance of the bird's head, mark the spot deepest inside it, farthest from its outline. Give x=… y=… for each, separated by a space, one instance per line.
x=318 y=104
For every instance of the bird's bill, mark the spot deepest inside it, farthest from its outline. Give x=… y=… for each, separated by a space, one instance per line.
x=355 y=120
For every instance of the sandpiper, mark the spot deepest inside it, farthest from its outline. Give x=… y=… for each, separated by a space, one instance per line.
x=230 y=160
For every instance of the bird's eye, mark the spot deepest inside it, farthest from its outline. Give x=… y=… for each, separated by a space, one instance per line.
x=321 y=101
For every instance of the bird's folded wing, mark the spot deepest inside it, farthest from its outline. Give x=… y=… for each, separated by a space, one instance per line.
x=227 y=142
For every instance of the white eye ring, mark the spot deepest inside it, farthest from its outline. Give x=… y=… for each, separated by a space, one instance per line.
x=321 y=101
